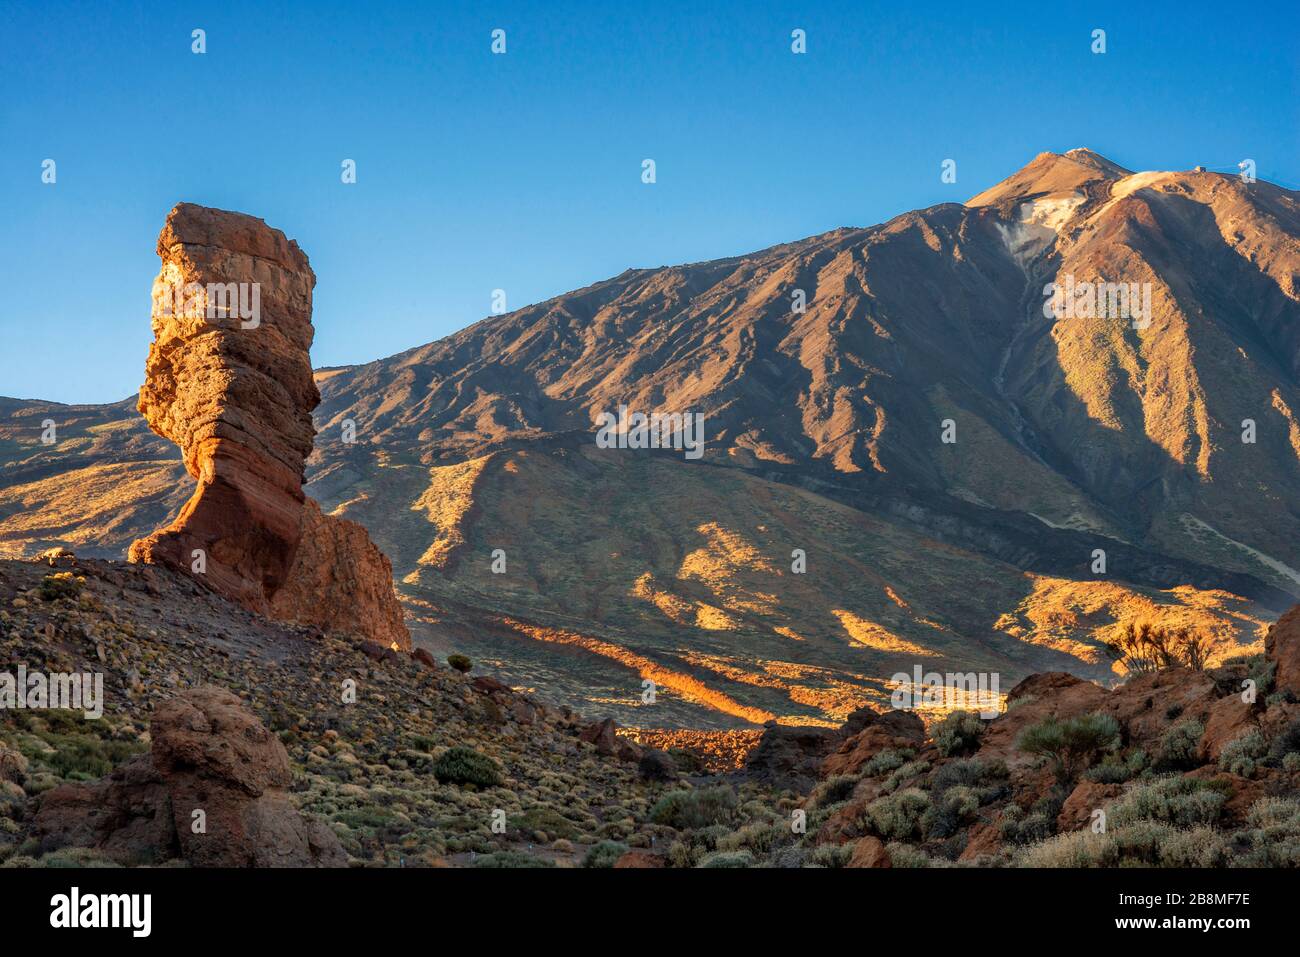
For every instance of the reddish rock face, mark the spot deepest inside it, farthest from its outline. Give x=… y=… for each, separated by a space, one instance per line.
x=1283 y=646
x=229 y=380
x=870 y=852
x=1087 y=796
x=209 y=754
x=891 y=729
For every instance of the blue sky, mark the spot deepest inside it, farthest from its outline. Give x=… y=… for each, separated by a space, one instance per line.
x=523 y=172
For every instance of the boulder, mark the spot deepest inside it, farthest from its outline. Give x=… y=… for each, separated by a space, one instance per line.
x=657 y=765
x=211 y=792
x=377 y=652
x=1146 y=706
x=791 y=757
x=1039 y=696
x=1087 y=796
x=870 y=852
x=882 y=731
x=1282 y=646
x=1227 y=720
x=983 y=840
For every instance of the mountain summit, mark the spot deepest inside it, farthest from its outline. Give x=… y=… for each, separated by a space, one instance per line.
x=1050 y=173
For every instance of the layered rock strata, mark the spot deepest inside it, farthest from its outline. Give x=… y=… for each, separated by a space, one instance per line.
x=229 y=380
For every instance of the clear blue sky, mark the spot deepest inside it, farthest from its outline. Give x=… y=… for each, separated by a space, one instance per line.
x=522 y=171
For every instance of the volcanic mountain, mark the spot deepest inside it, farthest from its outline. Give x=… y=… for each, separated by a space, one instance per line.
x=910 y=457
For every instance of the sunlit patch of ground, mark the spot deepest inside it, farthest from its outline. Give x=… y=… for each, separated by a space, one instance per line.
x=717 y=751
x=867 y=634
x=1058 y=609
x=688 y=687
x=446 y=503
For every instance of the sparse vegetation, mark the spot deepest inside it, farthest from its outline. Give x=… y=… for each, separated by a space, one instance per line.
x=1144 y=648
x=898 y=816
x=1242 y=755
x=886 y=761
x=1178 y=747
x=604 y=854
x=685 y=810
x=1072 y=744
x=60 y=585
x=1172 y=799
x=461 y=663
x=958 y=733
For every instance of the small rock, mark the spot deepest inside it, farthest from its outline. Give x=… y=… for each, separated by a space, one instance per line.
x=870 y=852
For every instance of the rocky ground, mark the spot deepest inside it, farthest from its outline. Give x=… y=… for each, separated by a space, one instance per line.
x=368 y=770
x=207 y=704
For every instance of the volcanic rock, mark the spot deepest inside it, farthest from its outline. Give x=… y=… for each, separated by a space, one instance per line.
x=211 y=792
x=233 y=388
x=1283 y=647
x=869 y=851
x=791 y=756
x=1087 y=796
x=890 y=729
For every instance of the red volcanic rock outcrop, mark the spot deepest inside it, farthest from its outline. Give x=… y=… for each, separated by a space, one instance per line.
x=889 y=729
x=1283 y=646
x=229 y=380
x=208 y=755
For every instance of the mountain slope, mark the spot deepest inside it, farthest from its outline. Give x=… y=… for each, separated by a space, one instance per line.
x=824 y=431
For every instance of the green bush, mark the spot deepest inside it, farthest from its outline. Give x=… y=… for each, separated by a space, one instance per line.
x=1242 y=755
x=1116 y=769
x=831 y=855
x=727 y=859
x=758 y=836
x=887 y=760
x=1175 y=800
x=60 y=585
x=1143 y=844
x=1072 y=744
x=604 y=854
x=686 y=810
x=943 y=818
x=970 y=772
x=833 y=790
x=897 y=816
x=462 y=765
x=511 y=859
x=1287 y=742
x=1178 y=747
x=1272 y=834
x=1036 y=824
x=908 y=773
x=550 y=821
x=958 y=733
x=906 y=856
x=461 y=663
x=76 y=857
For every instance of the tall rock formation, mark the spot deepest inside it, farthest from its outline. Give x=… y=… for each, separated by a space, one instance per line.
x=229 y=380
